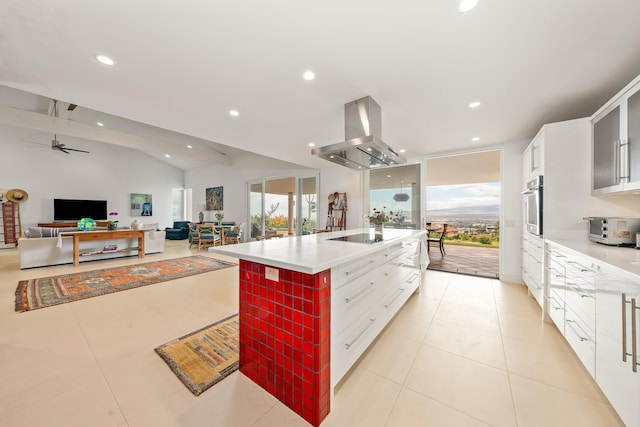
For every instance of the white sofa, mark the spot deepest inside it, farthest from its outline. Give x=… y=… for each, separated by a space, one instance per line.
x=43 y=251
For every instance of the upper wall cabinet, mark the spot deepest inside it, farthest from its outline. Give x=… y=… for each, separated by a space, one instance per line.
x=533 y=159
x=616 y=145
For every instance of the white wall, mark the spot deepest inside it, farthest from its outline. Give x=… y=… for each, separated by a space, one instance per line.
x=108 y=173
x=511 y=211
x=342 y=180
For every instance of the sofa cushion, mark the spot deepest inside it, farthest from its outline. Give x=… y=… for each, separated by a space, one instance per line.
x=46 y=231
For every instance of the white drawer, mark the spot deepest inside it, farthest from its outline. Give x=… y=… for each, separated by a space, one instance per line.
x=556 y=310
x=348 y=346
x=582 y=302
x=353 y=299
x=393 y=300
x=581 y=340
x=351 y=270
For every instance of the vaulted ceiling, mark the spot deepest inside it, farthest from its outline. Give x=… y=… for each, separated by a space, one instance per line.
x=182 y=67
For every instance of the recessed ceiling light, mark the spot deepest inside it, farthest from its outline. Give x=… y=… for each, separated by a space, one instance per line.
x=311 y=144
x=474 y=104
x=402 y=150
x=332 y=156
x=189 y=146
x=309 y=75
x=167 y=156
x=467 y=5
x=388 y=176
x=100 y=124
x=475 y=138
x=234 y=113
x=104 y=59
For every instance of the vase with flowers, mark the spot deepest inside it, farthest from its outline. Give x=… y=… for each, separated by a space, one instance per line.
x=219 y=215
x=112 y=224
x=378 y=217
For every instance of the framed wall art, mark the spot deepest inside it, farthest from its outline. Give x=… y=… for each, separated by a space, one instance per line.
x=141 y=204
x=214 y=199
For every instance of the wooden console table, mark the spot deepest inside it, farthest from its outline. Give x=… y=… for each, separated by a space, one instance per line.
x=79 y=236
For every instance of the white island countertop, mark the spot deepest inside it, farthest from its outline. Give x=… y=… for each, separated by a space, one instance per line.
x=313 y=253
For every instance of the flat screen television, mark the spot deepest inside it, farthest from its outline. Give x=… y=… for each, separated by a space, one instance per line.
x=74 y=210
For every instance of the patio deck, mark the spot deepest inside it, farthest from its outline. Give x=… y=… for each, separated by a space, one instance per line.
x=474 y=261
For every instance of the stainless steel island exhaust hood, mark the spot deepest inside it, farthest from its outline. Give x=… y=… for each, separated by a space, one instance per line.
x=363 y=148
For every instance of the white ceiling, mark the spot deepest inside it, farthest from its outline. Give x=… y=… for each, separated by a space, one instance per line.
x=183 y=66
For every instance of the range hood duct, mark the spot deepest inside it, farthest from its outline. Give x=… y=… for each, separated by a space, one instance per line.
x=363 y=148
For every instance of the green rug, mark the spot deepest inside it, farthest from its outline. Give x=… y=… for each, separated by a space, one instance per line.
x=47 y=291
x=204 y=357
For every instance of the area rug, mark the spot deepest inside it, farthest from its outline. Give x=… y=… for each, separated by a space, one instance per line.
x=47 y=291
x=204 y=357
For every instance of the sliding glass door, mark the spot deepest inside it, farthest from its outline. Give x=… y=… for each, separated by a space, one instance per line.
x=283 y=206
x=256 y=209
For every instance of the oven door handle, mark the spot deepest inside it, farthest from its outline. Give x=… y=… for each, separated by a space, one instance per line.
x=529 y=190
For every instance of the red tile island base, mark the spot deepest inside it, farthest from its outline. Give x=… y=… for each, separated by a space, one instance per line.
x=285 y=336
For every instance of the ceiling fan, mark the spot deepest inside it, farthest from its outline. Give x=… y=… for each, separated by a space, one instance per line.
x=56 y=145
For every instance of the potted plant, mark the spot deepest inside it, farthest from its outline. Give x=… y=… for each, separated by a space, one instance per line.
x=112 y=224
x=378 y=218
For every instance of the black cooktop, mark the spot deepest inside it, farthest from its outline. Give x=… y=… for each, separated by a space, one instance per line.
x=359 y=238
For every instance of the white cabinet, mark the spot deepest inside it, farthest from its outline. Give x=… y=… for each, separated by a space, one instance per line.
x=616 y=145
x=571 y=297
x=533 y=266
x=533 y=159
x=366 y=294
x=617 y=332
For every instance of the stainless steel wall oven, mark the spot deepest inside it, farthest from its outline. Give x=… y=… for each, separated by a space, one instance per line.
x=533 y=206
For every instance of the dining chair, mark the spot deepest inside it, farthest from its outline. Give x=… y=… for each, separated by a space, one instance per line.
x=208 y=236
x=438 y=240
x=234 y=235
x=194 y=238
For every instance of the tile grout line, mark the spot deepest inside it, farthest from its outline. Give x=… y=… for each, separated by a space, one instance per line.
x=504 y=354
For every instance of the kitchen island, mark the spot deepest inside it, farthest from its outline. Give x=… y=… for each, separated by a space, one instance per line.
x=311 y=305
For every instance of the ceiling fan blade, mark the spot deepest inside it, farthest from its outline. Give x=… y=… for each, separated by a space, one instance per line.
x=74 y=149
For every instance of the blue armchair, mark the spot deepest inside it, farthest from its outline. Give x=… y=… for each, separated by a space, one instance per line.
x=179 y=231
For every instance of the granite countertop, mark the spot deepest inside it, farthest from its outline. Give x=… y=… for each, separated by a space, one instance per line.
x=626 y=259
x=314 y=252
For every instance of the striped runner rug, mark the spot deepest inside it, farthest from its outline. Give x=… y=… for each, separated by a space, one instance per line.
x=204 y=357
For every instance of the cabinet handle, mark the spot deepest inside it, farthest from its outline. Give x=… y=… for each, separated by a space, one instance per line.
x=624 y=328
x=624 y=161
x=583 y=269
x=569 y=322
x=414 y=277
x=533 y=158
x=362 y=267
x=634 y=349
x=349 y=344
x=616 y=159
x=581 y=292
x=556 y=254
x=400 y=291
x=359 y=294
x=554 y=307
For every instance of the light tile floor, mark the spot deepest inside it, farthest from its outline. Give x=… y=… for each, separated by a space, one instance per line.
x=466 y=351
